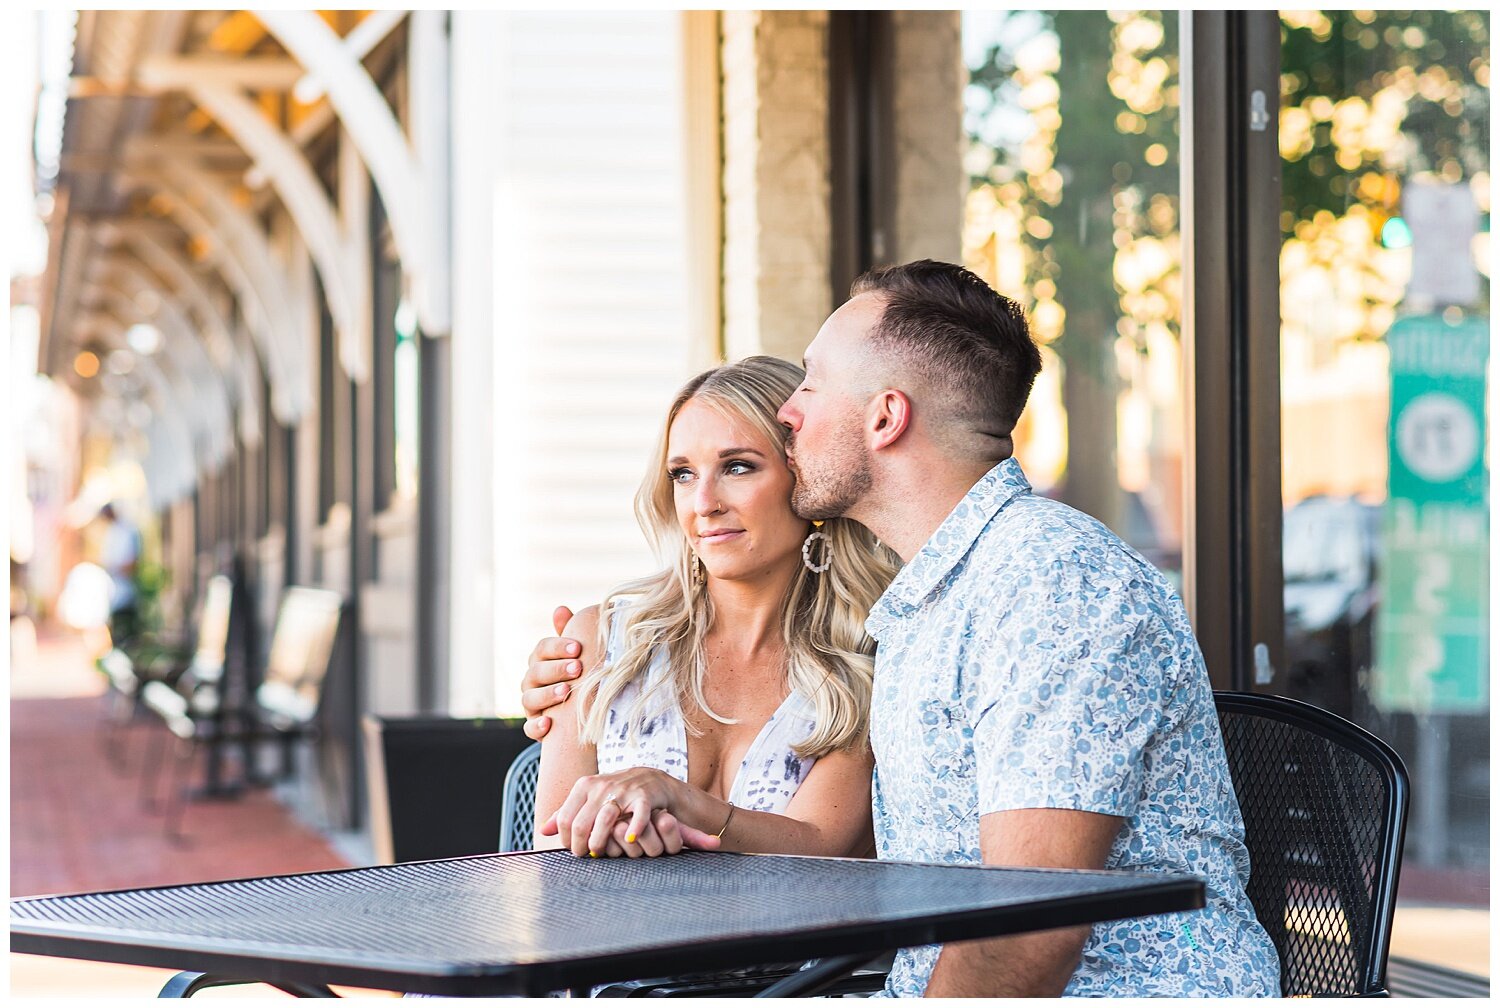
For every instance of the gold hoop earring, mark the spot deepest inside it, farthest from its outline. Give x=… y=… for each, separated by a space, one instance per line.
x=807 y=544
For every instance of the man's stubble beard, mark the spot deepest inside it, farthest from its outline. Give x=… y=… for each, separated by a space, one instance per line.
x=839 y=482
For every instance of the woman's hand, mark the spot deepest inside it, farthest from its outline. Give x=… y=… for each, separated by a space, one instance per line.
x=635 y=812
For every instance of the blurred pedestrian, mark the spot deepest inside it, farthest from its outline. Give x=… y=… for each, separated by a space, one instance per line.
x=119 y=553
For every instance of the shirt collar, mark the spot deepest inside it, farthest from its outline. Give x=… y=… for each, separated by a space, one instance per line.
x=948 y=545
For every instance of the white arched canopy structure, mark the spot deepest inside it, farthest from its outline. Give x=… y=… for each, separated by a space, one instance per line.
x=415 y=194
x=181 y=384
x=244 y=259
x=241 y=371
x=242 y=237
x=340 y=248
x=209 y=390
x=172 y=464
x=167 y=262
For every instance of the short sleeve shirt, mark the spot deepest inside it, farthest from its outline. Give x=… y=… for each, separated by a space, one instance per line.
x=1028 y=658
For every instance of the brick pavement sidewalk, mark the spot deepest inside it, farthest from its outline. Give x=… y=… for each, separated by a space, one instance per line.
x=77 y=822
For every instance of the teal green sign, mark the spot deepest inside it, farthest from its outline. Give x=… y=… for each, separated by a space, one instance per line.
x=1432 y=634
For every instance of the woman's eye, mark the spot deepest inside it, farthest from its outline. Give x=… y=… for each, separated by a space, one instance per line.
x=679 y=475
x=738 y=468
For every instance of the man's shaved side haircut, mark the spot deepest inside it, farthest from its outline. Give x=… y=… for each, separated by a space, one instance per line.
x=960 y=335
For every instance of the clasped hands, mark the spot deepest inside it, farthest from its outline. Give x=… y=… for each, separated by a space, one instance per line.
x=627 y=813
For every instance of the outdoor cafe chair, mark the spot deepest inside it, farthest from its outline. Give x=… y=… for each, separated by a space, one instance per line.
x=129 y=673
x=285 y=705
x=1324 y=803
x=518 y=802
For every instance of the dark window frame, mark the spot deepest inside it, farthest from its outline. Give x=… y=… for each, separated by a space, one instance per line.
x=861 y=147
x=328 y=368
x=385 y=283
x=1232 y=342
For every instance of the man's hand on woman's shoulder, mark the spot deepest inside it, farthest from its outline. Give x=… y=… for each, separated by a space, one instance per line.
x=554 y=663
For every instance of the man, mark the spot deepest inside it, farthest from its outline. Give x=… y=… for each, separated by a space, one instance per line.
x=119 y=551
x=1039 y=696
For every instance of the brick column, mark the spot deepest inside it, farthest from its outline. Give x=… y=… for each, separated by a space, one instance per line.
x=927 y=92
x=776 y=210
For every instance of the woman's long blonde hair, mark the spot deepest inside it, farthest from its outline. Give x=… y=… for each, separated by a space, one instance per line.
x=829 y=655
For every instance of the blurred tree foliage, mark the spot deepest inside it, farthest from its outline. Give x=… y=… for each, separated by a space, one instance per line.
x=1073 y=125
x=1118 y=98
x=1393 y=93
x=1100 y=204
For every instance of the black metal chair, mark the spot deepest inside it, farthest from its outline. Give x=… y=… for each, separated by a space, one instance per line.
x=1324 y=804
x=284 y=707
x=518 y=804
x=130 y=672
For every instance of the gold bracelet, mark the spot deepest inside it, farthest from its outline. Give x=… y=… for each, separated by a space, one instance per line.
x=730 y=816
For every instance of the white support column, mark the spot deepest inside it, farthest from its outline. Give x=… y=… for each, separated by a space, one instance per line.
x=358 y=350
x=373 y=126
x=169 y=453
x=557 y=388
x=473 y=626
x=429 y=67
x=302 y=297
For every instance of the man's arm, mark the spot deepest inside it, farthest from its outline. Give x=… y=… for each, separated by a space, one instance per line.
x=1036 y=964
x=553 y=665
x=565 y=757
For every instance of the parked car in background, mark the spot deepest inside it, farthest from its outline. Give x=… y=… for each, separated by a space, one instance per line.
x=1330 y=555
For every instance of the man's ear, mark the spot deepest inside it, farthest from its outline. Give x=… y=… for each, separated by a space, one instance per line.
x=887 y=418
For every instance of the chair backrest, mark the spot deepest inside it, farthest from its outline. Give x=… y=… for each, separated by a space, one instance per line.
x=307 y=623
x=518 y=806
x=410 y=820
x=213 y=629
x=1324 y=804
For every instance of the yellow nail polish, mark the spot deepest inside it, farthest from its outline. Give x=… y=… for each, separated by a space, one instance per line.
x=592 y=854
x=630 y=838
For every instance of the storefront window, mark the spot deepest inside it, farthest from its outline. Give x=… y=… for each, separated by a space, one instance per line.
x=1071 y=119
x=1384 y=356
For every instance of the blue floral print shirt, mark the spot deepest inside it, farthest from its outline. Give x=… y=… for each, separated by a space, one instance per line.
x=1030 y=659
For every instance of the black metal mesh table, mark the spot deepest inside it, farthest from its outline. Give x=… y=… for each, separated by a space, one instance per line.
x=533 y=922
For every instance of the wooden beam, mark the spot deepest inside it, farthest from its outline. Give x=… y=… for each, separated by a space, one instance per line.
x=260 y=73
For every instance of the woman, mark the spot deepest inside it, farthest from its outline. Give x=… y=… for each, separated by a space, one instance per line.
x=725 y=698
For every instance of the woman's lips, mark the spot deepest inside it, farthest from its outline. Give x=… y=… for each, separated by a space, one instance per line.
x=719 y=537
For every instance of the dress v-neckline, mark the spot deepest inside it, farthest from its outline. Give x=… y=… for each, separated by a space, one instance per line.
x=751 y=750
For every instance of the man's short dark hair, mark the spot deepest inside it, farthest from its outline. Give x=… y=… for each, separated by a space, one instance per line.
x=950 y=324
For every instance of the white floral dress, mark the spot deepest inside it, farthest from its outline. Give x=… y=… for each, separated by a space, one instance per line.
x=769 y=774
